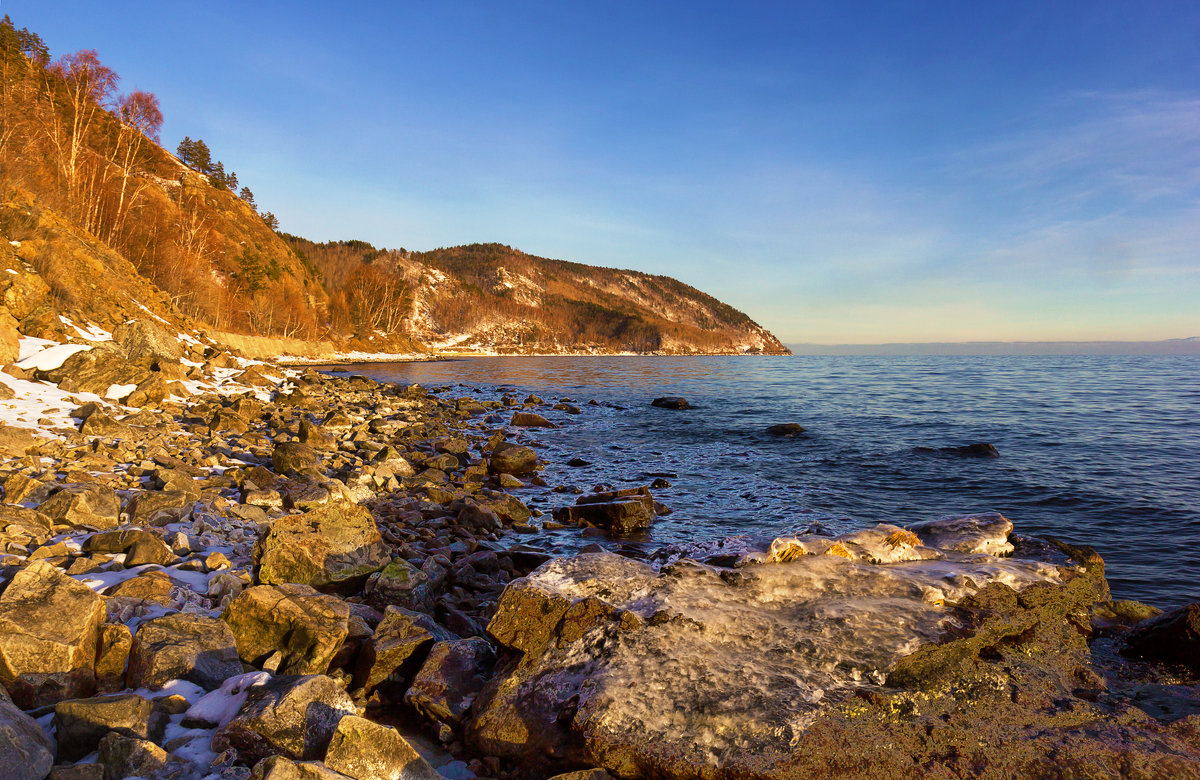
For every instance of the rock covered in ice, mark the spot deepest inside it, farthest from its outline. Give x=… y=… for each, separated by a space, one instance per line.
x=684 y=667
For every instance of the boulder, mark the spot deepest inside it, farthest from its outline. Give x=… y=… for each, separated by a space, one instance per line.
x=333 y=545
x=160 y=507
x=453 y=674
x=49 y=631
x=183 y=646
x=512 y=459
x=85 y=505
x=786 y=429
x=144 y=340
x=621 y=517
x=283 y=768
x=402 y=584
x=369 y=751
x=1172 y=637
x=526 y=617
x=151 y=390
x=291 y=715
x=100 y=424
x=398 y=648
x=96 y=370
x=311 y=435
x=146 y=551
x=26 y=753
x=977 y=450
x=15 y=442
x=531 y=420
x=116 y=640
x=118 y=541
x=80 y=724
x=307 y=627
x=671 y=402
x=293 y=456
x=124 y=757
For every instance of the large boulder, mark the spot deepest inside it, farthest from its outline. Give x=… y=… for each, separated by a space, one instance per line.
x=512 y=459
x=453 y=674
x=84 y=505
x=183 y=646
x=124 y=756
x=49 y=631
x=26 y=753
x=80 y=724
x=397 y=649
x=143 y=340
x=96 y=370
x=1173 y=637
x=333 y=545
x=369 y=751
x=305 y=626
x=291 y=715
x=293 y=456
x=621 y=517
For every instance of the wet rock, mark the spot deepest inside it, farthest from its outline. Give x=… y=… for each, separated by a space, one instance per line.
x=80 y=724
x=531 y=420
x=512 y=459
x=619 y=517
x=293 y=456
x=1173 y=637
x=49 y=631
x=369 y=751
x=978 y=450
x=291 y=715
x=397 y=648
x=86 y=505
x=26 y=753
x=786 y=429
x=982 y=533
x=452 y=675
x=124 y=757
x=334 y=545
x=307 y=627
x=671 y=402
x=183 y=646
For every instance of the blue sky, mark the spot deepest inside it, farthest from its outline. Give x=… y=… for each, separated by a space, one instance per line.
x=843 y=172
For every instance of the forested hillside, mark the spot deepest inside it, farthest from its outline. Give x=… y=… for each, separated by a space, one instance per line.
x=109 y=221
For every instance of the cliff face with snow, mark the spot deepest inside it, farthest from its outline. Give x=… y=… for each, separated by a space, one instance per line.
x=492 y=298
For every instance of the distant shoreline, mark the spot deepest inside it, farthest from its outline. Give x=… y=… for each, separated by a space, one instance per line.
x=1189 y=346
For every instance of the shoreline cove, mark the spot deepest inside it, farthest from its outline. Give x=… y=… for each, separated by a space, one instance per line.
x=279 y=539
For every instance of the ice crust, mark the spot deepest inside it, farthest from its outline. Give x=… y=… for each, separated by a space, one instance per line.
x=743 y=660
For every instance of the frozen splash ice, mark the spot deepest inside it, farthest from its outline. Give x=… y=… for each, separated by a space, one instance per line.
x=726 y=662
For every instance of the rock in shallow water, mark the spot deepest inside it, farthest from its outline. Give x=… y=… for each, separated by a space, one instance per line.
x=671 y=402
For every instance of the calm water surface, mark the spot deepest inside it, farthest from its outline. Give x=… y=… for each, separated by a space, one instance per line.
x=1103 y=451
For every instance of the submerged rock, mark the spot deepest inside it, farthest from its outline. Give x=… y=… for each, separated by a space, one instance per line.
x=977 y=450
x=786 y=429
x=671 y=402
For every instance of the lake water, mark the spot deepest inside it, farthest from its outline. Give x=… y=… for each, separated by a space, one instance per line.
x=1102 y=451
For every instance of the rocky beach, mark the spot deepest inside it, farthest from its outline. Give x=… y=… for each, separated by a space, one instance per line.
x=228 y=568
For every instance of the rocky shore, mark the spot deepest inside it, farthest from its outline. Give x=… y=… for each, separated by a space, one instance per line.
x=216 y=568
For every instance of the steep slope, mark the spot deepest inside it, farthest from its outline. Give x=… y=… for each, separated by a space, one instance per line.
x=493 y=298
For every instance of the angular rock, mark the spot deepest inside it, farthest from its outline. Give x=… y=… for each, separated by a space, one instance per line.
x=291 y=715
x=26 y=753
x=145 y=551
x=85 y=505
x=398 y=647
x=526 y=617
x=369 y=751
x=116 y=640
x=331 y=546
x=49 y=631
x=143 y=339
x=283 y=768
x=183 y=646
x=293 y=456
x=307 y=627
x=160 y=507
x=512 y=459
x=453 y=674
x=402 y=584
x=80 y=724
x=1173 y=637
x=123 y=757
